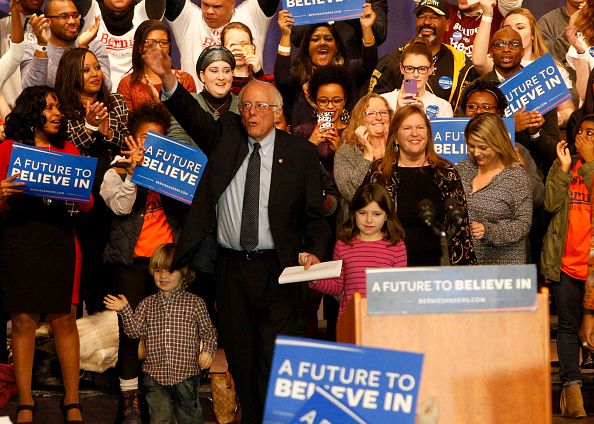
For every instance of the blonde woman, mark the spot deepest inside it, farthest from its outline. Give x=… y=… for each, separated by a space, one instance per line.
x=362 y=142
x=498 y=192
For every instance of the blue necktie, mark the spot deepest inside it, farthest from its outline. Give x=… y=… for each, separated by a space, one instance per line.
x=248 y=236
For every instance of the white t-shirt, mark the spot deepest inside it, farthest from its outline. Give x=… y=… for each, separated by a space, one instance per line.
x=435 y=107
x=193 y=35
x=119 y=47
x=13 y=88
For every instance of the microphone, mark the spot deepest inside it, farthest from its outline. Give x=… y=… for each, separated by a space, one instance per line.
x=454 y=211
x=427 y=212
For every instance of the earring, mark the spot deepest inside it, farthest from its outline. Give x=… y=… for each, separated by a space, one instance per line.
x=32 y=129
x=345 y=116
x=396 y=148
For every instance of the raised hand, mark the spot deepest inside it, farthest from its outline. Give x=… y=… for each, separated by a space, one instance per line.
x=563 y=155
x=367 y=16
x=89 y=34
x=285 y=22
x=115 y=303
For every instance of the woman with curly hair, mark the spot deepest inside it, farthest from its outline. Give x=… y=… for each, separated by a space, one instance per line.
x=37 y=235
x=413 y=173
x=320 y=47
x=580 y=34
x=135 y=86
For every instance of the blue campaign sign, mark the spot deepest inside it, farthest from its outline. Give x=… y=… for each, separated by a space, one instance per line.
x=432 y=290
x=315 y=11
x=373 y=385
x=538 y=87
x=53 y=175
x=5 y=6
x=323 y=408
x=170 y=167
x=448 y=137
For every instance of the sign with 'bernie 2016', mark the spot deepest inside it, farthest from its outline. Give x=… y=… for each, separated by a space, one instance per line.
x=315 y=11
x=359 y=384
x=170 y=167
x=53 y=175
x=537 y=87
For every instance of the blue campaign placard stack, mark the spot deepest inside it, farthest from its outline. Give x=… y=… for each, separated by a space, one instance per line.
x=313 y=11
x=434 y=290
x=51 y=174
x=170 y=167
x=537 y=87
x=449 y=141
x=360 y=384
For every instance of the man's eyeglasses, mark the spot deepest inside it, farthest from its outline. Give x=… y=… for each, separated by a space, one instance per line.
x=420 y=69
x=336 y=101
x=487 y=107
x=260 y=106
x=65 y=16
x=149 y=42
x=377 y=113
x=500 y=44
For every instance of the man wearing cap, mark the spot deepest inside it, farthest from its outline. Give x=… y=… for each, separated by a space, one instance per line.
x=453 y=70
x=197 y=27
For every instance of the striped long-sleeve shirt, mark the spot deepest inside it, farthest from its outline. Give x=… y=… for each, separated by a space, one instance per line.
x=356 y=258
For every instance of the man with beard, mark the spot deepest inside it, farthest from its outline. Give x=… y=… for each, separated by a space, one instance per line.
x=452 y=68
x=41 y=59
x=12 y=87
x=538 y=133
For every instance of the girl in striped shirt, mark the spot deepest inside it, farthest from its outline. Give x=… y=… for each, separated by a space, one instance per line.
x=371 y=237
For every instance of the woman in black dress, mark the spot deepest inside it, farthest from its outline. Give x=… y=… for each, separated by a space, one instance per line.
x=39 y=254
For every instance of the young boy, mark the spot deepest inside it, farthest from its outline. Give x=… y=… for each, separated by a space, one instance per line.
x=175 y=323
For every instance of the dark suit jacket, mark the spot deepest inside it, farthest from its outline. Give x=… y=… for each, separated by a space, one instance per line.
x=295 y=201
x=544 y=148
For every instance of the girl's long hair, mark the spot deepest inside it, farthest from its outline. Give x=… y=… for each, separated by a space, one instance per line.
x=365 y=194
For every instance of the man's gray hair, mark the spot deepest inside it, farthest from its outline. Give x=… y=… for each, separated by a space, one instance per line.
x=277 y=98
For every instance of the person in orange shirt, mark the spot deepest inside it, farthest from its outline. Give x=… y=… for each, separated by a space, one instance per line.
x=564 y=260
x=144 y=220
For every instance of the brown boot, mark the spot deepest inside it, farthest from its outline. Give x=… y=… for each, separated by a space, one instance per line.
x=131 y=407
x=572 y=403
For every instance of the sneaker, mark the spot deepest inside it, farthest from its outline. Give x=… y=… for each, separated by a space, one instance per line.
x=131 y=407
x=587 y=363
x=572 y=403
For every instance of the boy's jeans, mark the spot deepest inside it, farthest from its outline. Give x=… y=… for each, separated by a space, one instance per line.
x=180 y=400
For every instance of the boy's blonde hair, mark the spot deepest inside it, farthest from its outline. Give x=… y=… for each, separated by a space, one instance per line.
x=162 y=259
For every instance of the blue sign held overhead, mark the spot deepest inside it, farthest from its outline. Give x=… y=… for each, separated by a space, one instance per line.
x=435 y=290
x=537 y=87
x=364 y=384
x=314 y=11
x=170 y=167
x=448 y=137
x=51 y=174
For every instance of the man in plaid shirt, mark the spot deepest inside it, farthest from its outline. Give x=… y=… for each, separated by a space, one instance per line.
x=174 y=323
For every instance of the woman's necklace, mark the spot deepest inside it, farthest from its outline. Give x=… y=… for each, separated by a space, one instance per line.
x=215 y=110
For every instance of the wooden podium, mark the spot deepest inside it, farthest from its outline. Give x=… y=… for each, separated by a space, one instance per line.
x=480 y=367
